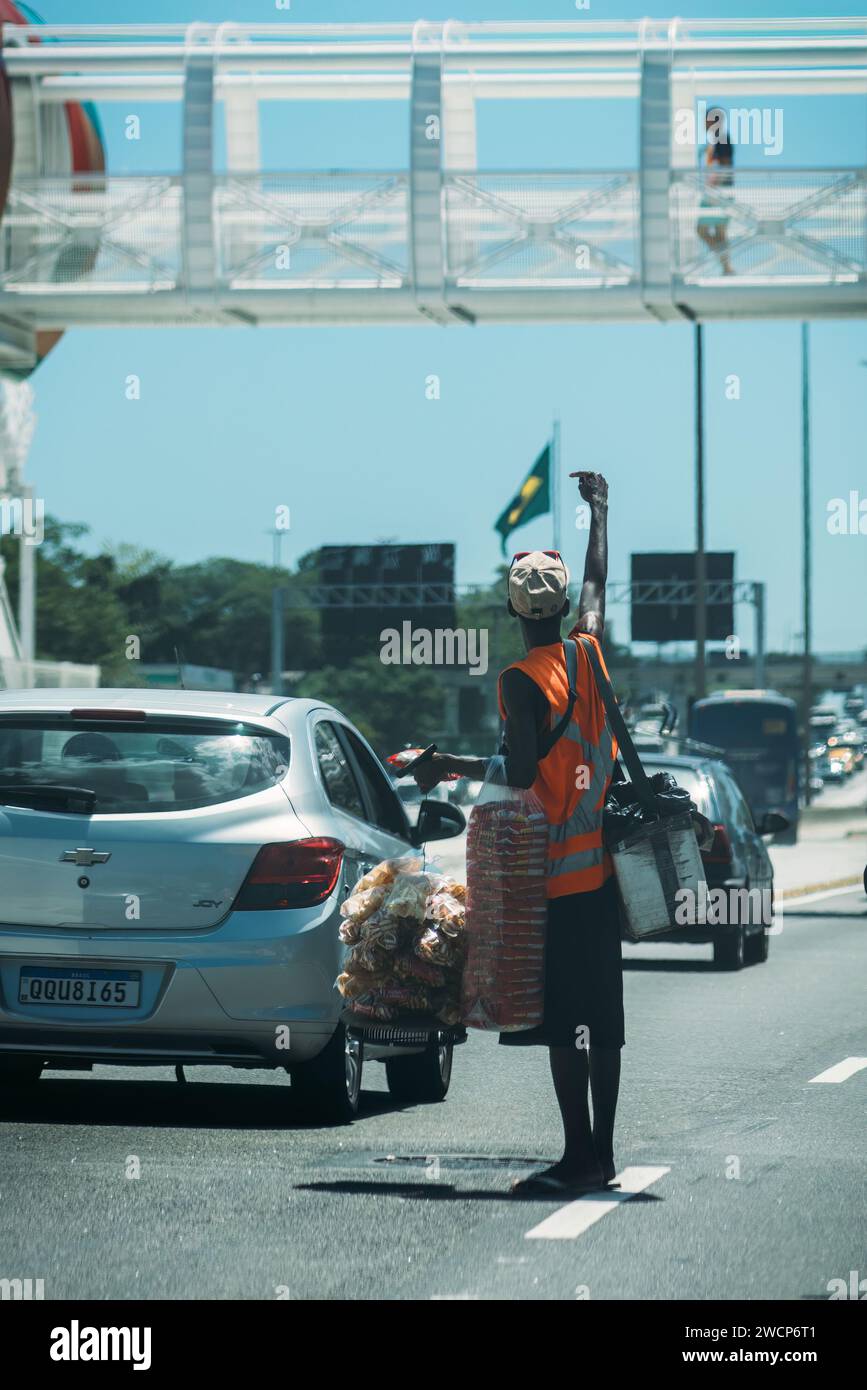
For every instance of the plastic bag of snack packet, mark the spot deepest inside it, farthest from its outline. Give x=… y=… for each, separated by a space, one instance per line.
x=503 y=985
x=383 y=875
x=361 y=905
x=413 y=967
x=385 y=934
x=447 y=910
x=451 y=885
x=367 y=955
x=437 y=948
x=369 y=1006
x=354 y=984
x=404 y=995
x=408 y=896
x=349 y=932
x=405 y=929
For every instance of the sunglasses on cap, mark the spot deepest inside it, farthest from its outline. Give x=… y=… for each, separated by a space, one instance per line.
x=522 y=555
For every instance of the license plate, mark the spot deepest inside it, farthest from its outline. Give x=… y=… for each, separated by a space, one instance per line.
x=106 y=989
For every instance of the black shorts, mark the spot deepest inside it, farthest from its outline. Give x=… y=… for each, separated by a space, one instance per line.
x=583 y=973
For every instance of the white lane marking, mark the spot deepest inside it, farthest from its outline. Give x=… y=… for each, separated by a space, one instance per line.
x=795 y=900
x=842 y=1071
x=578 y=1216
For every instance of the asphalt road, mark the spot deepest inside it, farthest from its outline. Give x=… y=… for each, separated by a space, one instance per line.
x=751 y=1174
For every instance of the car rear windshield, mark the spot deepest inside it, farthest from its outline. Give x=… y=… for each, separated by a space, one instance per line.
x=139 y=768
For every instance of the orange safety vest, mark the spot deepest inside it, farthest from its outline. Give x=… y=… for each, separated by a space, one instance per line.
x=577 y=860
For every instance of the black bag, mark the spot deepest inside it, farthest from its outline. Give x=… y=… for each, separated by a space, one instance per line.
x=625 y=811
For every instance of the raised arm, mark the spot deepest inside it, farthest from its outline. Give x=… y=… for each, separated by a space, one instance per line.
x=591 y=606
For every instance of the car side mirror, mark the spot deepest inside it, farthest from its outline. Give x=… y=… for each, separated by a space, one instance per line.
x=437 y=820
x=773 y=822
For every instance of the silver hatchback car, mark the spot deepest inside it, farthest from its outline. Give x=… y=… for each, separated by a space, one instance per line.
x=172 y=866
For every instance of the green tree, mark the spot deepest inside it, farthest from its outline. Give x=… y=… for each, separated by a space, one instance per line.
x=80 y=616
x=218 y=613
x=391 y=705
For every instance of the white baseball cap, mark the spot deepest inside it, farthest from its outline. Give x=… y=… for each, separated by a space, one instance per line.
x=538 y=583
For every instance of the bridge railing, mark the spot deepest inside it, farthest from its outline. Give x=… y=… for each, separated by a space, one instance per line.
x=95 y=237
x=335 y=230
x=541 y=230
x=804 y=226
x=85 y=233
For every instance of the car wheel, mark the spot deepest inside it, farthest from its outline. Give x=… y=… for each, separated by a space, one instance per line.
x=329 y=1087
x=422 y=1077
x=20 y=1071
x=756 y=948
x=728 y=949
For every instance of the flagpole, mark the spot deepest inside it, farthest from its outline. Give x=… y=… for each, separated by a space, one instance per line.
x=555 y=480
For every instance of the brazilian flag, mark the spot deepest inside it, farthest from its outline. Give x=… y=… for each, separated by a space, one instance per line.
x=532 y=499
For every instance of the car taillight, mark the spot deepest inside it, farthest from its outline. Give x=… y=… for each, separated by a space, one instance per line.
x=301 y=873
x=720 y=851
x=120 y=714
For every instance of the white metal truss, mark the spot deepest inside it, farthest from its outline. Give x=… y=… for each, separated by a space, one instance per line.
x=442 y=239
x=654 y=170
x=198 y=145
x=425 y=180
x=416 y=595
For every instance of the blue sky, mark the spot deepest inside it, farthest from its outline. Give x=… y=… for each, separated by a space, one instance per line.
x=334 y=423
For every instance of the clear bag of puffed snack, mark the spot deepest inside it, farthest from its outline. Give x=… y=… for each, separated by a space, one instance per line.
x=404 y=927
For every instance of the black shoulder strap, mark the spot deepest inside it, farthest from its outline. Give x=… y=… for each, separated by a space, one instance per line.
x=546 y=741
x=616 y=723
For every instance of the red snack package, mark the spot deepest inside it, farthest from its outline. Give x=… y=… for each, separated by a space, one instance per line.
x=506 y=910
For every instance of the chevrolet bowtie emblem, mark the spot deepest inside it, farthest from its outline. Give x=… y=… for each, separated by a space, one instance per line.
x=85 y=857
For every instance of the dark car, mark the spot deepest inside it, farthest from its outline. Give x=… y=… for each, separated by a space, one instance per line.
x=737 y=861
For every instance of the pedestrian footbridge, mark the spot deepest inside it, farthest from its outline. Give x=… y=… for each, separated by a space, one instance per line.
x=220 y=236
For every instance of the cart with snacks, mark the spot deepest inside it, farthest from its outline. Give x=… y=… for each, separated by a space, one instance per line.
x=401 y=978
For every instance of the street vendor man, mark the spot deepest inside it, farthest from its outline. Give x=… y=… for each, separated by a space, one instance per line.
x=583 y=1025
